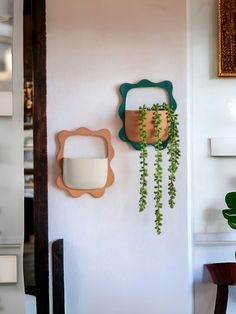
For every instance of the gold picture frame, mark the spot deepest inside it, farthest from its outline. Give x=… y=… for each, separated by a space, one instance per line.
x=227 y=38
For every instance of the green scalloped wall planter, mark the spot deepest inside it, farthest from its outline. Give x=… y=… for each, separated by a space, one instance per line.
x=125 y=88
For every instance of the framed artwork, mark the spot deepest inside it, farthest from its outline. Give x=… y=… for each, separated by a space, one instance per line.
x=28 y=104
x=227 y=38
x=29 y=181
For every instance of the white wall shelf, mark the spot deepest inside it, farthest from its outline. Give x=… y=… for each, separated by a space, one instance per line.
x=223 y=146
x=222 y=238
x=10 y=246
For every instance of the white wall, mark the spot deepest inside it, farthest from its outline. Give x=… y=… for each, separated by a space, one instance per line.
x=114 y=261
x=213 y=104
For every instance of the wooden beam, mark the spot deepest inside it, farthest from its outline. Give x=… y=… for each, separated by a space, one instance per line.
x=40 y=156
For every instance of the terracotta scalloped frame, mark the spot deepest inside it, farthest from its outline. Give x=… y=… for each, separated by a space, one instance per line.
x=125 y=88
x=106 y=136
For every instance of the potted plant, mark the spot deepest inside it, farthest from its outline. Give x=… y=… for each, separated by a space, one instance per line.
x=156 y=126
x=129 y=131
x=132 y=129
x=171 y=134
x=230 y=213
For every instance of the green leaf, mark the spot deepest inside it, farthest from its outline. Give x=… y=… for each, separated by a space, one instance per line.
x=232 y=225
x=230 y=199
x=230 y=215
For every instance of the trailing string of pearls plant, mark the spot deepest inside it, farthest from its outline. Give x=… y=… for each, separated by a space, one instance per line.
x=173 y=151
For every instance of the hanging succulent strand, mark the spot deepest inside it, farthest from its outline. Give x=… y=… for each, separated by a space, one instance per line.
x=158 y=168
x=173 y=150
x=143 y=158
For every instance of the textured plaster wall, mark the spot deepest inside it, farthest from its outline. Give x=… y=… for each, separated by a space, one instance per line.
x=114 y=262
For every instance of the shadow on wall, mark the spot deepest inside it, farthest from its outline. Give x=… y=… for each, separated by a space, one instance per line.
x=215 y=221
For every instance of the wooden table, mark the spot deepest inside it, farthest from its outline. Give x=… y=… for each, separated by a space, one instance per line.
x=223 y=275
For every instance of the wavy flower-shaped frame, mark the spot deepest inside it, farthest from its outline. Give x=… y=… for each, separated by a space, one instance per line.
x=125 y=88
x=106 y=136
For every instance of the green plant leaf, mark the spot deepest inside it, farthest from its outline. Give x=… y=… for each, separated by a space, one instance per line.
x=232 y=225
x=173 y=151
x=230 y=213
x=230 y=199
x=143 y=156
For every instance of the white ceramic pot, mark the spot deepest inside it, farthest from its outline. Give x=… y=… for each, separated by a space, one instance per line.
x=85 y=173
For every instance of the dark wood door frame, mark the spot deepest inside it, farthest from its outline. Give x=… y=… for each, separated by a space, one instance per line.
x=40 y=156
x=58 y=277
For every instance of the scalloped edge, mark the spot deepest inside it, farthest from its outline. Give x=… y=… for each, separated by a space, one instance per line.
x=106 y=136
x=125 y=88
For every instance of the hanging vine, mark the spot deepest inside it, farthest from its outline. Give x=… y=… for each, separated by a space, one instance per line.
x=158 y=174
x=173 y=151
x=143 y=157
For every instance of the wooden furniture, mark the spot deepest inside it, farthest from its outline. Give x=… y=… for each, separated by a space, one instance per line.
x=223 y=275
x=58 y=277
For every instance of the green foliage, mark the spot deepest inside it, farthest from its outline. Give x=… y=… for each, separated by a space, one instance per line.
x=173 y=151
x=158 y=174
x=230 y=213
x=143 y=158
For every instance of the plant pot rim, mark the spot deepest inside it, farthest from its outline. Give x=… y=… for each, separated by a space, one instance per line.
x=148 y=109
